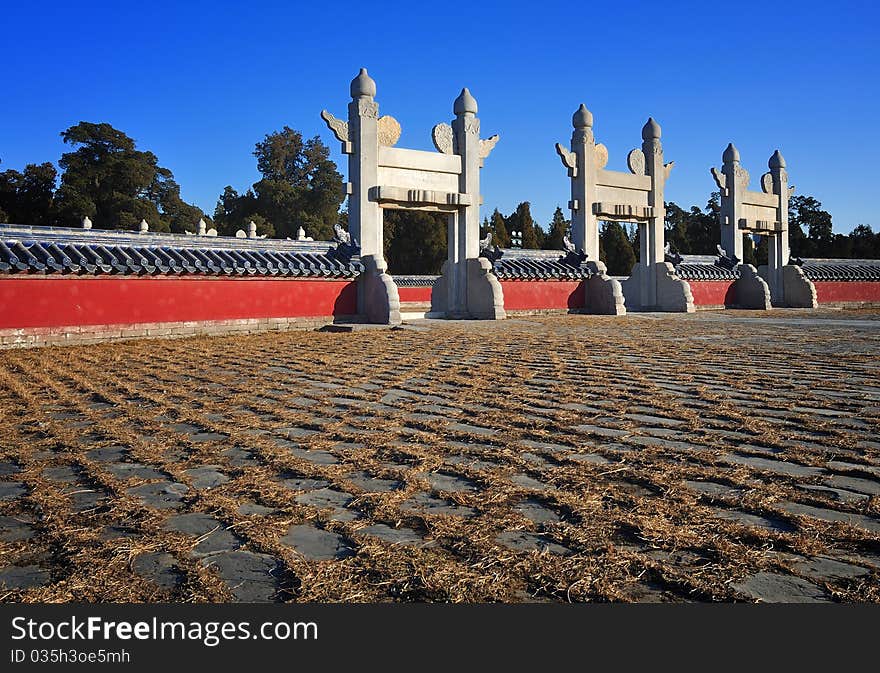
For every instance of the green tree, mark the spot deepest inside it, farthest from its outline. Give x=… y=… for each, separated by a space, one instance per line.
x=521 y=220
x=28 y=197
x=414 y=241
x=615 y=249
x=300 y=186
x=500 y=236
x=806 y=213
x=559 y=227
x=116 y=185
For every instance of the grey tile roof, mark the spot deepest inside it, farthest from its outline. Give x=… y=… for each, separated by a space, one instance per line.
x=90 y=252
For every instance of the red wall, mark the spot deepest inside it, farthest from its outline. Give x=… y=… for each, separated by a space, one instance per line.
x=56 y=301
x=524 y=295
x=713 y=292
x=417 y=294
x=832 y=291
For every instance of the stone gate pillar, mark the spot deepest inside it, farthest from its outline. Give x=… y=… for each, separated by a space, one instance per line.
x=584 y=224
x=468 y=288
x=378 y=298
x=651 y=240
x=777 y=246
x=734 y=185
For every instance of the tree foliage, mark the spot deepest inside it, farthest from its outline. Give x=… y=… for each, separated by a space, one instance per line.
x=28 y=197
x=415 y=241
x=615 y=249
x=300 y=187
x=106 y=178
x=559 y=227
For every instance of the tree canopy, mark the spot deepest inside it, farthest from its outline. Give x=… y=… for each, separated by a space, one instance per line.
x=300 y=187
x=106 y=178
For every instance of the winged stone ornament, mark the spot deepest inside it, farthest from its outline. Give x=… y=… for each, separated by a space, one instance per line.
x=569 y=159
x=486 y=146
x=338 y=126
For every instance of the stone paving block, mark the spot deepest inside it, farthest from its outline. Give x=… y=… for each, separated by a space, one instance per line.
x=254 y=509
x=470 y=429
x=108 y=454
x=519 y=540
x=470 y=462
x=766 y=587
x=839 y=494
x=304 y=484
x=252 y=578
x=775 y=466
x=753 y=520
x=425 y=503
x=405 y=537
x=827 y=569
x=537 y=512
x=316 y=456
x=16 y=528
x=372 y=484
x=448 y=482
x=712 y=488
x=160 y=568
x=161 y=495
x=127 y=471
x=589 y=458
x=317 y=544
x=325 y=498
x=10 y=490
x=601 y=431
x=8 y=469
x=857 y=520
x=857 y=484
x=65 y=474
x=240 y=457
x=23 y=577
x=206 y=477
x=530 y=483
x=212 y=534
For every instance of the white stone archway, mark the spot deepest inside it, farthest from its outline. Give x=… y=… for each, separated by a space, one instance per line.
x=448 y=181
x=598 y=194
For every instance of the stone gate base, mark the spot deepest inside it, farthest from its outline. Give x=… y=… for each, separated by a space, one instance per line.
x=484 y=297
x=673 y=293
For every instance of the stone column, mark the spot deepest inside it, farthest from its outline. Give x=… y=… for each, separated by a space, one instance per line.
x=581 y=163
x=731 y=202
x=651 y=250
x=364 y=216
x=777 y=245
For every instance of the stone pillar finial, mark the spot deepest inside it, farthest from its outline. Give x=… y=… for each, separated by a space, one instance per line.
x=203 y=227
x=582 y=118
x=651 y=130
x=252 y=229
x=363 y=86
x=86 y=223
x=731 y=154
x=144 y=227
x=464 y=104
x=776 y=161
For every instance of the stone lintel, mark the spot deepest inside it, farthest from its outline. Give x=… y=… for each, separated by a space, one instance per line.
x=623 y=210
x=401 y=196
x=761 y=226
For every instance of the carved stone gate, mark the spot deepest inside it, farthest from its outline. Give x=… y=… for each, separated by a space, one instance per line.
x=383 y=176
x=598 y=194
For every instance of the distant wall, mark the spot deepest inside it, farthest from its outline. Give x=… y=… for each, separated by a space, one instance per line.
x=528 y=295
x=421 y=295
x=712 y=293
x=848 y=293
x=61 y=306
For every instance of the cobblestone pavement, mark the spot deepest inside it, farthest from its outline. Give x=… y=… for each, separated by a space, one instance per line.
x=710 y=457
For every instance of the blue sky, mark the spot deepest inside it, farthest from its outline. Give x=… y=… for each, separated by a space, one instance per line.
x=199 y=83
